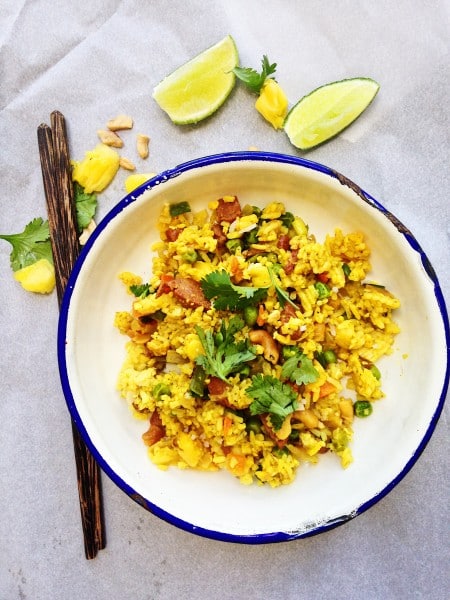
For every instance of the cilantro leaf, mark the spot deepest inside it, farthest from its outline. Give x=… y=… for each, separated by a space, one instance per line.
x=252 y=78
x=272 y=396
x=223 y=355
x=29 y=246
x=299 y=369
x=140 y=290
x=218 y=286
x=85 y=206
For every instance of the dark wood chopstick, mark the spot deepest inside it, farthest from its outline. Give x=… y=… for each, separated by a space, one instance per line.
x=58 y=188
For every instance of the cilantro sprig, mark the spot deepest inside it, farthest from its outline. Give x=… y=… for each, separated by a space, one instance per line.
x=274 y=396
x=140 y=290
x=31 y=245
x=252 y=79
x=299 y=369
x=217 y=286
x=223 y=355
x=271 y=396
x=85 y=206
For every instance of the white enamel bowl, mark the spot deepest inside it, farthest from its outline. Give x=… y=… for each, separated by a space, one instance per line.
x=216 y=505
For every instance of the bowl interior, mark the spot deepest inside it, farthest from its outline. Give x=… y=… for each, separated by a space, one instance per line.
x=385 y=445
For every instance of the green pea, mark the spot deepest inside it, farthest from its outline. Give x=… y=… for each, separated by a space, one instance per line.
x=290 y=351
x=329 y=356
x=362 y=408
x=250 y=315
x=189 y=256
x=375 y=372
x=233 y=245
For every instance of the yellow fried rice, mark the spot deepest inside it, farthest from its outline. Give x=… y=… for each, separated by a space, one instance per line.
x=333 y=312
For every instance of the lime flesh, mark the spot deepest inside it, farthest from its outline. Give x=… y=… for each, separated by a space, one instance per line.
x=328 y=110
x=198 y=88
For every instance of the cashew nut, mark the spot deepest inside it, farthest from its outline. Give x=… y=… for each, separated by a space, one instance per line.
x=87 y=232
x=126 y=164
x=120 y=122
x=285 y=430
x=264 y=339
x=142 y=143
x=109 y=138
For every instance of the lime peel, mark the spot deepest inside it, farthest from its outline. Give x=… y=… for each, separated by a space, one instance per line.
x=198 y=88
x=327 y=110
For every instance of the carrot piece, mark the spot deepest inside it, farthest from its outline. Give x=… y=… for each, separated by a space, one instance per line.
x=236 y=270
x=326 y=389
x=227 y=423
x=236 y=463
x=261 y=318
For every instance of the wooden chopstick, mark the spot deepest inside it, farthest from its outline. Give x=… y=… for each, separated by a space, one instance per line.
x=58 y=188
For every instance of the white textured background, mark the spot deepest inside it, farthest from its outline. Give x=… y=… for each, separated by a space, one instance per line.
x=92 y=60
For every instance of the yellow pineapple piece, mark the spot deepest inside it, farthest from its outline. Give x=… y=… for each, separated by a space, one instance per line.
x=134 y=181
x=98 y=168
x=38 y=277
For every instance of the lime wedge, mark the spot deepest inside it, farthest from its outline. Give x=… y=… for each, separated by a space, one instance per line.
x=328 y=110
x=199 y=87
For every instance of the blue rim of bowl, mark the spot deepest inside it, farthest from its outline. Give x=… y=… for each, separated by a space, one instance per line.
x=276 y=536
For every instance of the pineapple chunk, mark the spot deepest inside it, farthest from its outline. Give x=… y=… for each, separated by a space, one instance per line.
x=38 y=277
x=193 y=346
x=259 y=275
x=189 y=450
x=350 y=335
x=98 y=168
x=311 y=444
x=134 y=181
